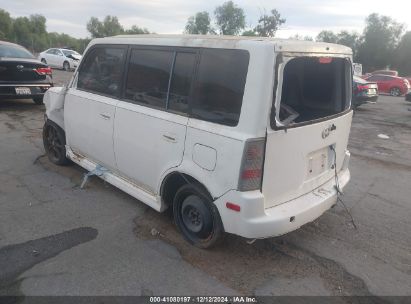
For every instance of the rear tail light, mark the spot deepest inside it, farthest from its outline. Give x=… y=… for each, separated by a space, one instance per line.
x=251 y=173
x=43 y=71
x=325 y=60
x=362 y=87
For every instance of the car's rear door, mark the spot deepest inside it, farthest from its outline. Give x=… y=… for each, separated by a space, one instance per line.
x=151 y=121
x=90 y=105
x=309 y=132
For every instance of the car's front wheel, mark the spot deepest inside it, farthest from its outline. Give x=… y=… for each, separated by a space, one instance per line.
x=38 y=100
x=395 y=91
x=43 y=60
x=66 y=66
x=54 y=140
x=197 y=217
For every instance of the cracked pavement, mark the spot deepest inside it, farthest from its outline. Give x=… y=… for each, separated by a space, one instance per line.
x=56 y=239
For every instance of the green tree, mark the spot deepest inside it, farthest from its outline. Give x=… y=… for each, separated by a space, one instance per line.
x=327 y=36
x=199 y=24
x=379 y=41
x=250 y=33
x=352 y=40
x=299 y=37
x=403 y=55
x=5 y=25
x=22 y=32
x=230 y=18
x=269 y=24
x=110 y=26
x=136 y=30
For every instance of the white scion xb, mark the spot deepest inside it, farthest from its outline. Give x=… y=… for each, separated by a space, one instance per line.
x=239 y=135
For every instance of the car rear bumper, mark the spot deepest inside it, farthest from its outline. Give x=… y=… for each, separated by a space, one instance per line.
x=8 y=91
x=359 y=100
x=254 y=221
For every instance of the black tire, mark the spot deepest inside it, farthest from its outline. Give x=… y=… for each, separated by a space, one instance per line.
x=38 y=100
x=395 y=92
x=197 y=217
x=54 y=141
x=43 y=60
x=66 y=66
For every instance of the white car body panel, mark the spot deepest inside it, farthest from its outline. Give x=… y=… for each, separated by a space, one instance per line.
x=141 y=146
x=89 y=125
x=147 y=140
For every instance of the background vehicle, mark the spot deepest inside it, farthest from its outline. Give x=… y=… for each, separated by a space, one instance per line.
x=21 y=74
x=60 y=58
x=205 y=119
x=395 y=86
x=363 y=91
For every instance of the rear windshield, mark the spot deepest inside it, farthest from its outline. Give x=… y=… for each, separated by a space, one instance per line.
x=313 y=88
x=12 y=51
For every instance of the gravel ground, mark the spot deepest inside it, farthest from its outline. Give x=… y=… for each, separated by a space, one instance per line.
x=56 y=239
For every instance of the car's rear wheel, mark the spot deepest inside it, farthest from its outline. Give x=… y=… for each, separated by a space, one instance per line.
x=395 y=91
x=38 y=100
x=54 y=140
x=66 y=66
x=43 y=60
x=197 y=217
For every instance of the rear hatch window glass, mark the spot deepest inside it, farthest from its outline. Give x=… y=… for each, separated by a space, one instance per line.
x=313 y=88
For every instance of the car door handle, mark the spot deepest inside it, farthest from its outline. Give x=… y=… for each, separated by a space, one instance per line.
x=169 y=138
x=105 y=116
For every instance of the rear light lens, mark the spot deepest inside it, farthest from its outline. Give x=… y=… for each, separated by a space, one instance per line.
x=362 y=87
x=43 y=71
x=325 y=60
x=251 y=173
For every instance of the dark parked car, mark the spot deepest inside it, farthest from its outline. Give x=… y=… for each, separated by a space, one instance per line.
x=408 y=96
x=363 y=91
x=21 y=74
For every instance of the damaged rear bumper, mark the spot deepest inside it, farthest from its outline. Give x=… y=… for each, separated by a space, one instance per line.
x=254 y=221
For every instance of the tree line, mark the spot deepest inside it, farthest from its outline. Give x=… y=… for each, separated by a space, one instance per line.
x=384 y=43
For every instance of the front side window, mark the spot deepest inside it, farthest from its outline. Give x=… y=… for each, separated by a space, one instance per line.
x=101 y=71
x=148 y=77
x=219 y=89
x=313 y=88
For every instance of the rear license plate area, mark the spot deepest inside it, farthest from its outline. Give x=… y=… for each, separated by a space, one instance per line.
x=23 y=91
x=317 y=163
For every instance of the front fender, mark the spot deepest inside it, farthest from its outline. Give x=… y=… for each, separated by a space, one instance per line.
x=54 y=101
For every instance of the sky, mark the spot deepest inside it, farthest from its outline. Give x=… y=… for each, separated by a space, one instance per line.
x=304 y=17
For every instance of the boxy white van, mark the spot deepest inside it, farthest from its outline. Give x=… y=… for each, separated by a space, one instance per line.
x=240 y=135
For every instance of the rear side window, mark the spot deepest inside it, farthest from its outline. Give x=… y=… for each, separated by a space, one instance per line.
x=148 y=77
x=219 y=89
x=101 y=71
x=181 y=82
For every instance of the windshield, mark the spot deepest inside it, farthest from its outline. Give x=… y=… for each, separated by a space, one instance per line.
x=12 y=51
x=69 y=52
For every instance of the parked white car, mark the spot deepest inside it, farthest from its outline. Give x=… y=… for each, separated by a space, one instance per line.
x=60 y=58
x=239 y=135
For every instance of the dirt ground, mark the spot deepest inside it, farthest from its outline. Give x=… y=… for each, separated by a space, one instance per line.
x=56 y=239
